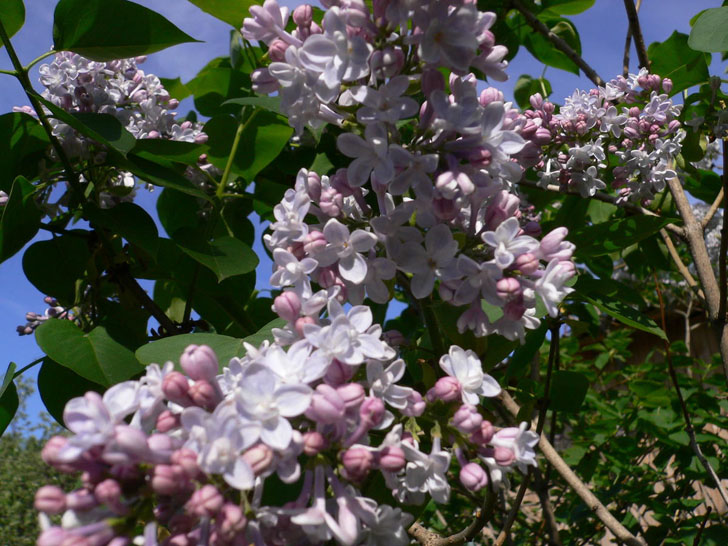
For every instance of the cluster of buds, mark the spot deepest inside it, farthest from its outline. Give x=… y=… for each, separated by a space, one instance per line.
x=629 y=124
x=33 y=320
x=198 y=453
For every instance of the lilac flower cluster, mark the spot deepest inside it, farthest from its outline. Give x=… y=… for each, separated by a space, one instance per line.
x=33 y=320
x=193 y=452
x=627 y=128
x=443 y=208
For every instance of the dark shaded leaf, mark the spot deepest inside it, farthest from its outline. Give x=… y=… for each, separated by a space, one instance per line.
x=675 y=60
x=12 y=14
x=54 y=266
x=130 y=221
x=568 y=390
x=104 y=30
x=57 y=385
x=23 y=144
x=8 y=406
x=615 y=235
x=19 y=219
x=225 y=256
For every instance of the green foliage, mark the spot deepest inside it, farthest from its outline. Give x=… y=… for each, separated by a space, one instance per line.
x=709 y=31
x=615 y=235
x=527 y=86
x=675 y=60
x=24 y=144
x=104 y=30
x=69 y=255
x=231 y=11
x=19 y=218
x=12 y=15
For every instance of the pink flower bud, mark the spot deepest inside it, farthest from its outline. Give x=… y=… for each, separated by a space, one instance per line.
x=331 y=202
x=172 y=104
x=386 y=63
x=200 y=362
x=108 y=492
x=508 y=288
x=313 y=242
x=357 y=463
x=187 y=460
x=339 y=373
x=277 y=50
x=514 y=309
x=327 y=407
x=394 y=338
x=536 y=101
x=313 y=443
x=527 y=263
x=231 y=521
x=205 y=502
x=259 y=457
x=53 y=536
x=542 y=136
x=415 y=405
x=352 y=394
x=167 y=421
x=467 y=419
x=473 y=477
x=551 y=243
x=301 y=322
x=532 y=229
x=129 y=445
x=169 y=479
x=287 y=306
x=81 y=500
x=176 y=388
x=667 y=85
x=205 y=395
x=50 y=499
x=303 y=15
x=504 y=456
x=50 y=452
x=391 y=459
x=491 y=94
x=432 y=80
x=447 y=389
x=372 y=411
x=162 y=446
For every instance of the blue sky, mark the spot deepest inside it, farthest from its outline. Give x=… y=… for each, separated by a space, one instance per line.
x=602 y=30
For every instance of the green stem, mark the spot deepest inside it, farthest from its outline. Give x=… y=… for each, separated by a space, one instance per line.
x=9 y=72
x=38 y=59
x=29 y=366
x=234 y=150
x=433 y=329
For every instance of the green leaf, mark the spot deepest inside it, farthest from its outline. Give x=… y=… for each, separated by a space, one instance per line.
x=709 y=31
x=272 y=104
x=96 y=356
x=130 y=221
x=608 y=288
x=8 y=406
x=217 y=83
x=675 y=60
x=56 y=265
x=615 y=235
x=154 y=149
x=546 y=52
x=527 y=86
x=568 y=390
x=9 y=373
x=23 y=146
x=225 y=256
x=175 y=88
x=225 y=347
x=57 y=385
x=523 y=355
x=704 y=185
x=19 y=219
x=231 y=11
x=170 y=297
x=599 y=295
x=566 y=7
x=264 y=137
x=104 y=30
x=12 y=14
x=161 y=172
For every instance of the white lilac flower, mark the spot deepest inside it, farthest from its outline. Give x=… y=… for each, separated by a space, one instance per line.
x=521 y=442
x=551 y=284
x=451 y=37
x=507 y=242
x=370 y=154
x=385 y=104
x=587 y=182
x=268 y=23
x=292 y=272
x=612 y=122
x=290 y=226
x=437 y=259
x=345 y=249
x=385 y=526
x=479 y=281
x=294 y=366
x=465 y=366
x=383 y=382
x=427 y=473
x=266 y=402
x=414 y=173
x=457 y=112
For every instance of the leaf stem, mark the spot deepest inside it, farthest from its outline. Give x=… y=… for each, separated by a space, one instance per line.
x=38 y=59
x=233 y=151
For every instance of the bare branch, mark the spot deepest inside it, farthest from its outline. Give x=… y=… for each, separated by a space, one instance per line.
x=723 y=266
x=684 y=271
x=559 y=42
x=713 y=209
x=639 y=41
x=628 y=44
x=579 y=487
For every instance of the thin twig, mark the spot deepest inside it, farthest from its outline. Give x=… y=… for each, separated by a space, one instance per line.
x=628 y=45
x=713 y=209
x=579 y=487
x=723 y=259
x=639 y=41
x=542 y=490
x=684 y=271
x=559 y=42
x=696 y=541
x=503 y=535
x=429 y=538
x=686 y=415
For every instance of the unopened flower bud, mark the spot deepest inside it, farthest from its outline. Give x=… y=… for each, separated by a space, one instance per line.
x=167 y=421
x=169 y=479
x=313 y=443
x=259 y=457
x=339 y=373
x=372 y=411
x=357 y=463
x=205 y=395
x=504 y=456
x=467 y=419
x=536 y=101
x=667 y=85
x=187 y=460
x=277 y=50
x=491 y=94
x=301 y=322
x=287 y=306
x=176 y=388
x=313 y=242
x=108 y=492
x=205 y=502
x=303 y=15
x=50 y=499
x=263 y=82
x=391 y=459
x=327 y=406
x=231 y=521
x=447 y=389
x=507 y=288
x=473 y=477
x=352 y=394
x=53 y=536
x=432 y=80
x=527 y=263
x=81 y=500
x=415 y=405
x=200 y=362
